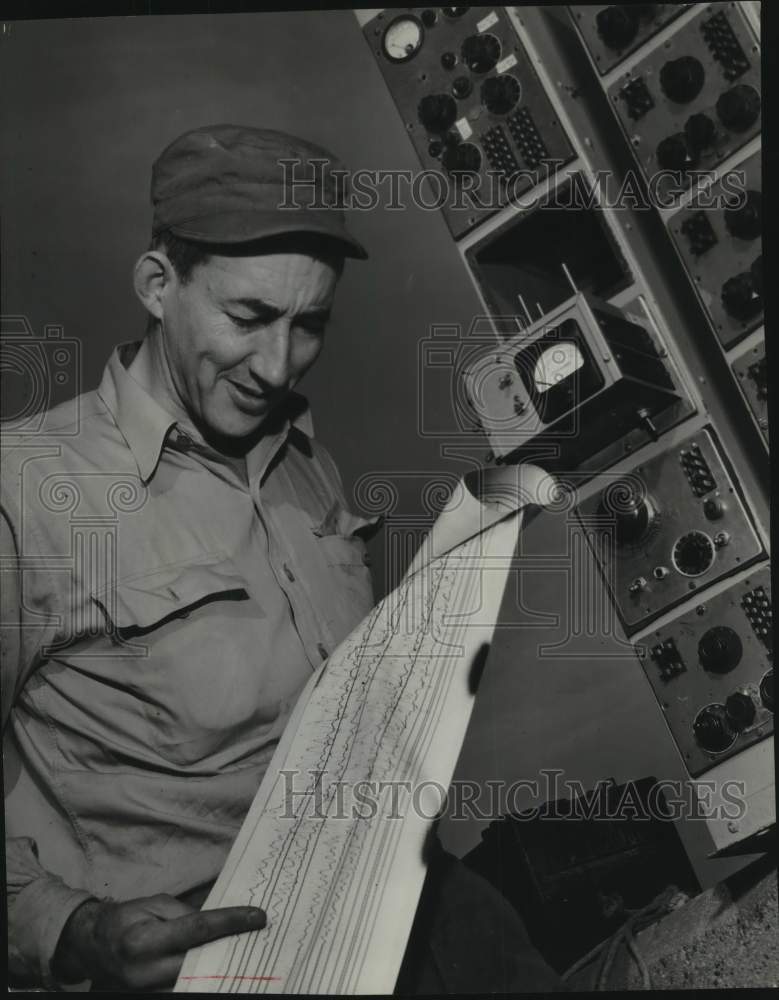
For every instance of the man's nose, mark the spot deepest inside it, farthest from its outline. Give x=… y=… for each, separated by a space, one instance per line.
x=270 y=361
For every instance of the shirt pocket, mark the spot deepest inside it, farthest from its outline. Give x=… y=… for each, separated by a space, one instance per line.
x=341 y=537
x=206 y=676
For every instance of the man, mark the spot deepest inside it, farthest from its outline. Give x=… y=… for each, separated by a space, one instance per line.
x=182 y=557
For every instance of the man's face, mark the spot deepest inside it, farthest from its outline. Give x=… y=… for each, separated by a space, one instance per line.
x=242 y=332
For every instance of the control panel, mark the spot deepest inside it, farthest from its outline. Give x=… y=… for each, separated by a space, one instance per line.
x=693 y=100
x=472 y=104
x=712 y=672
x=751 y=370
x=669 y=527
x=611 y=33
x=719 y=239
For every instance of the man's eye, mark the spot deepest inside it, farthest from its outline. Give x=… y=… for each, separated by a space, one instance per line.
x=313 y=329
x=243 y=322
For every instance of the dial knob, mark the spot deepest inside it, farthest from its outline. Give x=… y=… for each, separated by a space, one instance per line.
x=693 y=553
x=461 y=87
x=499 y=94
x=464 y=158
x=740 y=710
x=712 y=729
x=714 y=508
x=631 y=511
x=437 y=112
x=740 y=297
x=700 y=131
x=448 y=60
x=720 y=649
x=676 y=153
x=481 y=52
x=617 y=26
x=739 y=108
x=682 y=79
x=746 y=221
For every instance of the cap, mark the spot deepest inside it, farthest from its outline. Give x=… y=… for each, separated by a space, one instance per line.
x=231 y=184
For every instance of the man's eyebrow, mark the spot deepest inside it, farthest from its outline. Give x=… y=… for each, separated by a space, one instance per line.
x=262 y=308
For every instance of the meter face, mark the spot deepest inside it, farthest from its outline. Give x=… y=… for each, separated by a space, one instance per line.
x=402 y=39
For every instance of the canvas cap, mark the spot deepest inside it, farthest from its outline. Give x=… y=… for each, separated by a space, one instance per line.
x=227 y=184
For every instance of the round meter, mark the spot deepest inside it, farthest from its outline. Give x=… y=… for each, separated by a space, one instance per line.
x=402 y=39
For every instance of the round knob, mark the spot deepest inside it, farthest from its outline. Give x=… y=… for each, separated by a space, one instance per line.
x=693 y=553
x=700 y=131
x=720 y=649
x=437 y=112
x=740 y=710
x=682 y=79
x=746 y=221
x=767 y=690
x=499 y=94
x=713 y=508
x=676 y=153
x=739 y=108
x=429 y=18
x=435 y=147
x=461 y=87
x=712 y=729
x=464 y=158
x=448 y=60
x=740 y=297
x=481 y=52
x=454 y=11
x=632 y=512
x=617 y=26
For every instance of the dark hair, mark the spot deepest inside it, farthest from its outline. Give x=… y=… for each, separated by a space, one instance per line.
x=186 y=255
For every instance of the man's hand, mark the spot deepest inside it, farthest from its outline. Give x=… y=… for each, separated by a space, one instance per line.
x=141 y=944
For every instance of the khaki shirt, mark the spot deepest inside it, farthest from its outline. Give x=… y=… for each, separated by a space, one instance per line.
x=168 y=606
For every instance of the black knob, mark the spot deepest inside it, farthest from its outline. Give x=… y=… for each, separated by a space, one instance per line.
x=461 y=87
x=713 y=508
x=480 y=52
x=631 y=511
x=448 y=60
x=739 y=108
x=682 y=79
x=720 y=649
x=700 y=131
x=464 y=158
x=437 y=112
x=756 y=270
x=617 y=26
x=740 y=297
x=434 y=148
x=767 y=690
x=499 y=94
x=676 y=153
x=429 y=18
x=693 y=553
x=713 y=730
x=746 y=221
x=455 y=11
x=740 y=710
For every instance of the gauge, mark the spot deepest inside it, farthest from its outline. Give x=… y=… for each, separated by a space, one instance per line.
x=402 y=39
x=556 y=364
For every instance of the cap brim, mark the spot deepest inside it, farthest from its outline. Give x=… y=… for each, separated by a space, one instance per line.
x=233 y=228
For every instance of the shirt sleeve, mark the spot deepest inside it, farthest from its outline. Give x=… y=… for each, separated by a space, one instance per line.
x=39 y=903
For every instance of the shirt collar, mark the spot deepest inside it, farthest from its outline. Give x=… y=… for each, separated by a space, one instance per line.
x=145 y=424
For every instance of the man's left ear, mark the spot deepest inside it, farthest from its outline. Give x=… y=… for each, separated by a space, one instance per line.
x=152 y=277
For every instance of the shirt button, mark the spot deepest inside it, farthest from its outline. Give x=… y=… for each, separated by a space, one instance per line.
x=322 y=651
x=289 y=574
